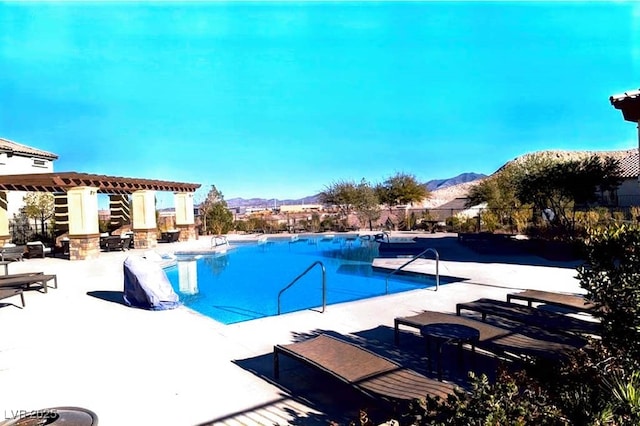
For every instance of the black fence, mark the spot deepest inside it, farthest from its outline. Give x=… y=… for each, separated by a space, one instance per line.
x=22 y=232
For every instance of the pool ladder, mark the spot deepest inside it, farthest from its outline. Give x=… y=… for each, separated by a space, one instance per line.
x=324 y=284
x=414 y=258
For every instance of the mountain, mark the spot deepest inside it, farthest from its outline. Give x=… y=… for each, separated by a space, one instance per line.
x=432 y=185
x=435 y=184
x=269 y=202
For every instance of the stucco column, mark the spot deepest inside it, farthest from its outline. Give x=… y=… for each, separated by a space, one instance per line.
x=84 y=234
x=145 y=231
x=185 y=220
x=5 y=237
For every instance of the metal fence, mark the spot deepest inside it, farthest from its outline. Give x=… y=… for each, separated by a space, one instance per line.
x=24 y=231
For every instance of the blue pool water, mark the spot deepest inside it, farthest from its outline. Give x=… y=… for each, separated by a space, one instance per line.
x=244 y=283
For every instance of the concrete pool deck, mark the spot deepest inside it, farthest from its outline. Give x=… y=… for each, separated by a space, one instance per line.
x=80 y=346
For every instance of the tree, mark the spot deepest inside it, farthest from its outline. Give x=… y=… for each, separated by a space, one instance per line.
x=401 y=189
x=219 y=218
x=561 y=186
x=367 y=205
x=39 y=206
x=342 y=194
x=215 y=215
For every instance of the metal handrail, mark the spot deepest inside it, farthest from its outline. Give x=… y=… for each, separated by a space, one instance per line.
x=324 y=284
x=434 y=251
x=382 y=235
x=214 y=241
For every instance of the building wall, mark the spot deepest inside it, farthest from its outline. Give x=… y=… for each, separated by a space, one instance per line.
x=18 y=164
x=299 y=208
x=629 y=193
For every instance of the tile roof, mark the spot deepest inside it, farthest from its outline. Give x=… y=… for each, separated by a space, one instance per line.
x=630 y=166
x=10 y=146
x=629 y=103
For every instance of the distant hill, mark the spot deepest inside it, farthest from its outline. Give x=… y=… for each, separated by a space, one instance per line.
x=269 y=202
x=435 y=184
x=564 y=155
x=432 y=185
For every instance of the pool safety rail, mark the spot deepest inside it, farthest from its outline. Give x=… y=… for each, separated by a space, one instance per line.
x=324 y=283
x=413 y=259
x=219 y=241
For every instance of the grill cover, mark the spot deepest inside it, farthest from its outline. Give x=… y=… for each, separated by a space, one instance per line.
x=146 y=285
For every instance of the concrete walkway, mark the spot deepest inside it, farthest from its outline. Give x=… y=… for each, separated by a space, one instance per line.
x=79 y=346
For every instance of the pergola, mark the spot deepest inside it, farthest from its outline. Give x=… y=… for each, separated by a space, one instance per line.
x=76 y=206
x=63 y=181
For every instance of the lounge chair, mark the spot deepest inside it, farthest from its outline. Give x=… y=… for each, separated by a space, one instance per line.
x=22 y=274
x=37 y=249
x=532 y=316
x=26 y=281
x=366 y=371
x=575 y=302
x=10 y=292
x=516 y=343
x=12 y=253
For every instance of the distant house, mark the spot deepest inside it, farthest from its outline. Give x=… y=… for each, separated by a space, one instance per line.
x=301 y=208
x=628 y=193
x=18 y=159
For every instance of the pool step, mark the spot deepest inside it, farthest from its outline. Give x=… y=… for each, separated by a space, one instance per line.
x=279 y=413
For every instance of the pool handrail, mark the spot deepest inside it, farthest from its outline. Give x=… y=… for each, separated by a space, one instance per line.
x=324 y=284
x=215 y=238
x=414 y=258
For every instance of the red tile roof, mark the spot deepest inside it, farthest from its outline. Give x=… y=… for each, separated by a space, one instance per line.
x=10 y=146
x=630 y=166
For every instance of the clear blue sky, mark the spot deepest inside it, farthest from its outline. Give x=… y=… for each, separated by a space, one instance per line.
x=280 y=99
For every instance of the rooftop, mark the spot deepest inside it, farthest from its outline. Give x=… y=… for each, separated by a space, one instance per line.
x=7 y=145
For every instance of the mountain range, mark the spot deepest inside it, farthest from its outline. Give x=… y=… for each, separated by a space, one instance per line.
x=432 y=185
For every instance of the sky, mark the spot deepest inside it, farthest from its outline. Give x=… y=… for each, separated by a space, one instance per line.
x=281 y=99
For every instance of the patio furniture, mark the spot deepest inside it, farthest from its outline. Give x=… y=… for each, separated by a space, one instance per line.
x=170 y=236
x=13 y=252
x=513 y=343
x=5 y=263
x=447 y=333
x=10 y=292
x=26 y=281
x=112 y=243
x=575 y=302
x=532 y=316
x=21 y=274
x=366 y=371
x=37 y=249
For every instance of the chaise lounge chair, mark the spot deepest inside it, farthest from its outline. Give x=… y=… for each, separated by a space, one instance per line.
x=10 y=292
x=12 y=252
x=575 y=302
x=37 y=249
x=366 y=371
x=532 y=316
x=516 y=343
x=25 y=281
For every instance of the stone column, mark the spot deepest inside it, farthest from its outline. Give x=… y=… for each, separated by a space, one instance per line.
x=145 y=231
x=84 y=236
x=185 y=220
x=5 y=236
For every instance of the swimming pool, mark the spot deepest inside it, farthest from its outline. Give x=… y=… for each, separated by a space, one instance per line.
x=243 y=284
